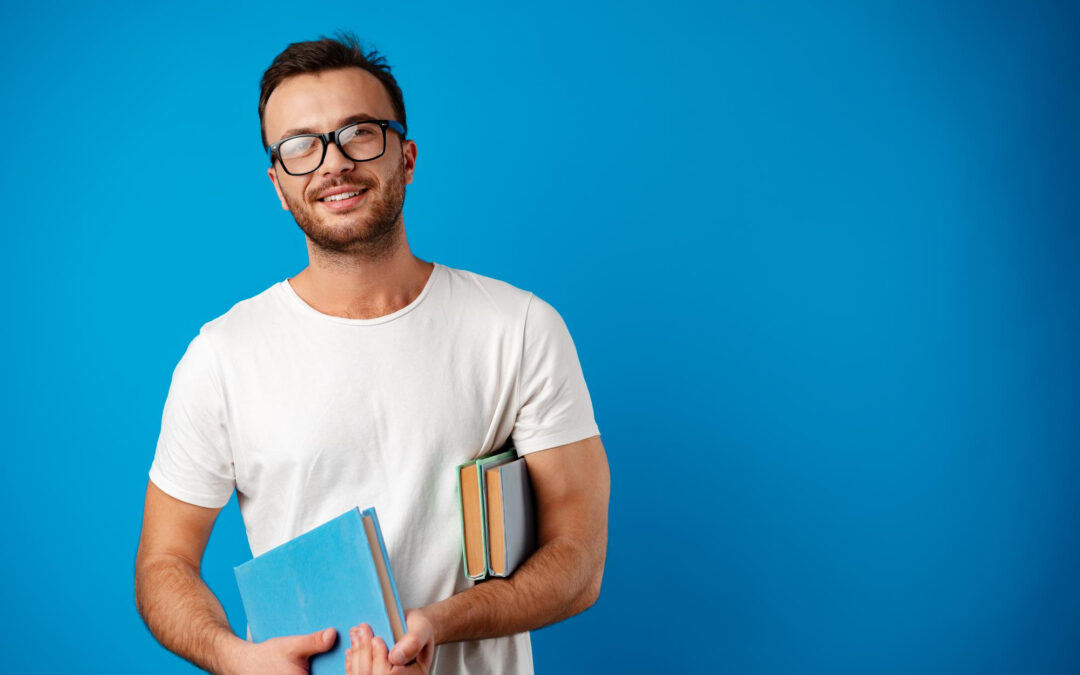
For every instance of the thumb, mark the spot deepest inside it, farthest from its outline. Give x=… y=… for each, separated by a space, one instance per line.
x=406 y=650
x=312 y=643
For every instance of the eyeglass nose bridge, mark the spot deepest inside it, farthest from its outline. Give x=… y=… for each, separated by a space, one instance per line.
x=327 y=139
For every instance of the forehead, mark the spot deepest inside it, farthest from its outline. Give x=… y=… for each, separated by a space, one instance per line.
x=320 y=101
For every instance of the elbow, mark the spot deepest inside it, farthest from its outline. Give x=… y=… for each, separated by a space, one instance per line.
x=592 y=591
x=155 y=569
x=144 y=572
x=590 y=594
x=589 y=598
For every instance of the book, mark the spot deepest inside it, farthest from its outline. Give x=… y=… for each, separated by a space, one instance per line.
x=511 y=517
x=473 y=511
x=337 y=575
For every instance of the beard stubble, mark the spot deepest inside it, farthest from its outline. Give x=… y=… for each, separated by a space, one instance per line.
x=373 y=238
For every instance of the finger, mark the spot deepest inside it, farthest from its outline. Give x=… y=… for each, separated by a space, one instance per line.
x=379 y=664
x=427 y=655
x=363 y=647
x=350 y=662
x=406 y=649
x=313 y=643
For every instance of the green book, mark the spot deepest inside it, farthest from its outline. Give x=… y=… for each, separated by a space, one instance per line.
x=471 y=497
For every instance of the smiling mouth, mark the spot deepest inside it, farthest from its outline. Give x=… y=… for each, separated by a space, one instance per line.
x=343 y=196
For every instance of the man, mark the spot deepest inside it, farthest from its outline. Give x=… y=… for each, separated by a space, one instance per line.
x=365 y=380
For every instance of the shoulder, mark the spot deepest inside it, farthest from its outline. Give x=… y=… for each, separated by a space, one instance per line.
x=245 y=320
x=484 y=296
x=493 y=298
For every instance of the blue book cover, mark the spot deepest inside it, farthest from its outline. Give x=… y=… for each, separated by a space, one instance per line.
x=335 y=576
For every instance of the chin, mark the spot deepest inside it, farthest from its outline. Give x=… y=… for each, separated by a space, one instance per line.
x=351 y=238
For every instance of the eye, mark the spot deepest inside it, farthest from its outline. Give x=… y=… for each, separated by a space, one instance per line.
x=359 y=132
x=297 y=146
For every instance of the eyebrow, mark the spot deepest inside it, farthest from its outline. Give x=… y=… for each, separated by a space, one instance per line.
x=361 y=117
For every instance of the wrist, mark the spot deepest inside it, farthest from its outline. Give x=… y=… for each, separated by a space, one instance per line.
x=230 y=653
x=437 y=617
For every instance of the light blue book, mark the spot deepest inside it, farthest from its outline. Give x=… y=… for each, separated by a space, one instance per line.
x=334 y=576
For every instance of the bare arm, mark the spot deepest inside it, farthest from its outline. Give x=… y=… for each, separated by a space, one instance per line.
x=176 y=605
x=572 y=485
x=182 y=612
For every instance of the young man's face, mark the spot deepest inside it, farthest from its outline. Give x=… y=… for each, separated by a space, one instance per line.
x=320 y=103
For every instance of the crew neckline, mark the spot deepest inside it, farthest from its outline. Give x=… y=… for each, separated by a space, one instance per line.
x=436 y=272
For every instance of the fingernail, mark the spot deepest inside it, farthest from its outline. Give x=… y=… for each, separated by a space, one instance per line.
x=328 y=635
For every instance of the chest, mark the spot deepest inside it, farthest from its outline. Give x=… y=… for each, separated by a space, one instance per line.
x=367 y=408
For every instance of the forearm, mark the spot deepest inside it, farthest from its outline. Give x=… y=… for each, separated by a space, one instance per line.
x=560 y=580
x=183 y=614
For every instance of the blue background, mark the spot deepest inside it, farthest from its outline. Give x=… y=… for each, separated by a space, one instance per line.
x=819 y=260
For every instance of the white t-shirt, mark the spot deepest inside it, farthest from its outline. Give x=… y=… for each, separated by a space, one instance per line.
x=306 y=415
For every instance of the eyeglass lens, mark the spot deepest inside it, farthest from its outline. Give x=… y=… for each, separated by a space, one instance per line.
x=360 y=142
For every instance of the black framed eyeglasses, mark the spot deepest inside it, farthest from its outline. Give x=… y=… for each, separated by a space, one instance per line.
x=359 y=141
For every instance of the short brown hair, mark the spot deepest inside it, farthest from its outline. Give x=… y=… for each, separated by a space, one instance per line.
x=315 y=56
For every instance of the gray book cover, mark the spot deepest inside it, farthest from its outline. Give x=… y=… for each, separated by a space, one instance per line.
x=511 y=517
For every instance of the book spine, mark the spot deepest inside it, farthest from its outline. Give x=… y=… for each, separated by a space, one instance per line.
x=386 y=561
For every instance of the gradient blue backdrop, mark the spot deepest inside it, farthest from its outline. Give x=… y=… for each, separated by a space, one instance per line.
x=819 y=259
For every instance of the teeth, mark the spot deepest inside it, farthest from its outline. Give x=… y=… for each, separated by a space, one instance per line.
x=338 y=198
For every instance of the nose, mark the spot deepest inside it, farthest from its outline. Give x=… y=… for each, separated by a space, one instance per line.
x=335 y=161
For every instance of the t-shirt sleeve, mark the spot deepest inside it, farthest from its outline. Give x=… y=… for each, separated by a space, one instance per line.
x=193 y=461
x=554 y=404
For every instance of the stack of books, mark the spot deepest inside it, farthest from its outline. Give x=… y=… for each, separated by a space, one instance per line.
x=338 y=574
x=498 y=515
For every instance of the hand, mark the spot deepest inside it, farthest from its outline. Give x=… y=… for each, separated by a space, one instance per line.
x=418 y=643
x=280 y=656
x=367 y=655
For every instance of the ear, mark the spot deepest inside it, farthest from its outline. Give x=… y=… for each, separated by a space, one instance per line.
x=277 y=188
x=408 y=158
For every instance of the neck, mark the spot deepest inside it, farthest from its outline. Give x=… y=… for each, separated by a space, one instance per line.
x=362 y=284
